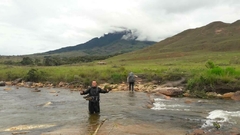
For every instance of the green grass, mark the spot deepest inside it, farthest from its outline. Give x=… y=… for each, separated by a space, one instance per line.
x=192 y=66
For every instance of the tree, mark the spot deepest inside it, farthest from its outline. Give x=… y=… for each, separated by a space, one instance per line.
x=27 y=61
x=37 y=62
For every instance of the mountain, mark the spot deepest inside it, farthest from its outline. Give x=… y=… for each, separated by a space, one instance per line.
x=108 y=44
x=214 y=37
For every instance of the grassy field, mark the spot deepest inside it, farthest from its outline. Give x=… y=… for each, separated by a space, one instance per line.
x=208 y=71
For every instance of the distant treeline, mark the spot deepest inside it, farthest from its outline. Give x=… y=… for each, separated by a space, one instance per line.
x=55 y=60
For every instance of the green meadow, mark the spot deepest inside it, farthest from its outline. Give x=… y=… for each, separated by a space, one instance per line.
x=204 y=71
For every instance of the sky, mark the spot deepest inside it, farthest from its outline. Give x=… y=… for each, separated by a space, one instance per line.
x=34 y=26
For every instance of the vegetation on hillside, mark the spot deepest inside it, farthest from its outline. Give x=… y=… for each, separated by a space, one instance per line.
x=109 y=44
x=214 y=37
x=53 y=60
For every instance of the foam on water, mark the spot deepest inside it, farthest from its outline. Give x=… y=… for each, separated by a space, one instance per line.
x=163 y=104
x=221 y=116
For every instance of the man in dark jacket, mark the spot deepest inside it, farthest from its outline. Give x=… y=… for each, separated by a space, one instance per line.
x=94 y=97
x=131 y=81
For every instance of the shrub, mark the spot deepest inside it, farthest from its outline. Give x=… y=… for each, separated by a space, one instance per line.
x=35 y=75
x=210 y=65
x=212 y=78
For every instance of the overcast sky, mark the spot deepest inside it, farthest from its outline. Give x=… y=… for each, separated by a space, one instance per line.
x=32 y=26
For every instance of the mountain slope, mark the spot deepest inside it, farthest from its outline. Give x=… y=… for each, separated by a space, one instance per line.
x=112 y=43
x=214 y=37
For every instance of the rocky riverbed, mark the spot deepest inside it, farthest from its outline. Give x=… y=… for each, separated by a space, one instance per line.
x=52 y=111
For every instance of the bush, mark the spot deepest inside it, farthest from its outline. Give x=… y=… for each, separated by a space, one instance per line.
x=35 y=75
x=212 y=78
x=210 y=65
x=27 y=61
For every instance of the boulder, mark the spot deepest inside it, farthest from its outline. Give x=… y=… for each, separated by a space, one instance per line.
x=169 y=91
x=28 y=84
x=17 y=81
x=212 y=94
x=61 y=84
x=236 y=96
x=39 y=85
x=149 y=106
x=162 y=95
x=8 y=83
x=2 y=83
x=228 y=95
x=20 y=84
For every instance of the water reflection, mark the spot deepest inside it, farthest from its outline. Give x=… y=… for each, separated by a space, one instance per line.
x=93 y=122
x=131 y=98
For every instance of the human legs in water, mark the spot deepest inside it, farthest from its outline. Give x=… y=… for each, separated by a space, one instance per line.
x=131 y=86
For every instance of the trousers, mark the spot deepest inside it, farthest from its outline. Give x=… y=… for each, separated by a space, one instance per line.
x=94 y=107
x=131 y=86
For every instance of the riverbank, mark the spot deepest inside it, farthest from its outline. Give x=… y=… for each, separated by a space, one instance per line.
x=167 y=90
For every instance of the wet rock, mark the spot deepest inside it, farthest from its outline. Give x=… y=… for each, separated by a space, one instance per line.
x=159 y=94
x=20 y=133
x=211 y=94
x=36 y=90
x=2 y=83
x=52 y=91
x=122 y=87
x=149 y=106
x=114 y=89
x=61 y=84
x=28 y=84
x=47 y=104
x=8 y=83
x=162 y=95
x=188 y=101
x=20 y=84
x=15 y=82
x=7 y=88
x=186 y=95
x=39 y=85
x=228 y=95
x=236 y=96
x=169 y=91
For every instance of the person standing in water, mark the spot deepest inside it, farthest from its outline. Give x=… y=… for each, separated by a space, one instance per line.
x=131 y=81
x=94 y=97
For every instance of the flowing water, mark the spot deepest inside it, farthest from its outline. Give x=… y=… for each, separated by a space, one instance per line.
x=60 y=111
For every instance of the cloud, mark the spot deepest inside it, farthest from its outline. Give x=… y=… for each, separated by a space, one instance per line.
x=41 y=25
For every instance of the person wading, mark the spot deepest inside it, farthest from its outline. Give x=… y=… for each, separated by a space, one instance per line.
x=93 y=97
x=131 y=81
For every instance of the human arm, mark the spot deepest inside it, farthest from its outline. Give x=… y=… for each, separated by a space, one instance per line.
x=85 y=92
x=102 y=90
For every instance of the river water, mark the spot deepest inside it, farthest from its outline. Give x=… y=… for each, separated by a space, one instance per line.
x=60 y=111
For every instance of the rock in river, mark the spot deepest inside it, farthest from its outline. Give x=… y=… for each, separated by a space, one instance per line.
x=228 y=95
x=236 y=96
x=169 y=91
x=2 y=83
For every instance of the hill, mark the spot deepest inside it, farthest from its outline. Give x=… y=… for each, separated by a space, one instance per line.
x=108 y=44
x=214 y=37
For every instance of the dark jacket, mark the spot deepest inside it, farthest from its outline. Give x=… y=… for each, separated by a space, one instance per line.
x=94 y=92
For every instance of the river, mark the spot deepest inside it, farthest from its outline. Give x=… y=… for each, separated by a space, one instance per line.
x=60 y=111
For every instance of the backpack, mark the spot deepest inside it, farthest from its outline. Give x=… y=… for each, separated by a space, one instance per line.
x=131 y=78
